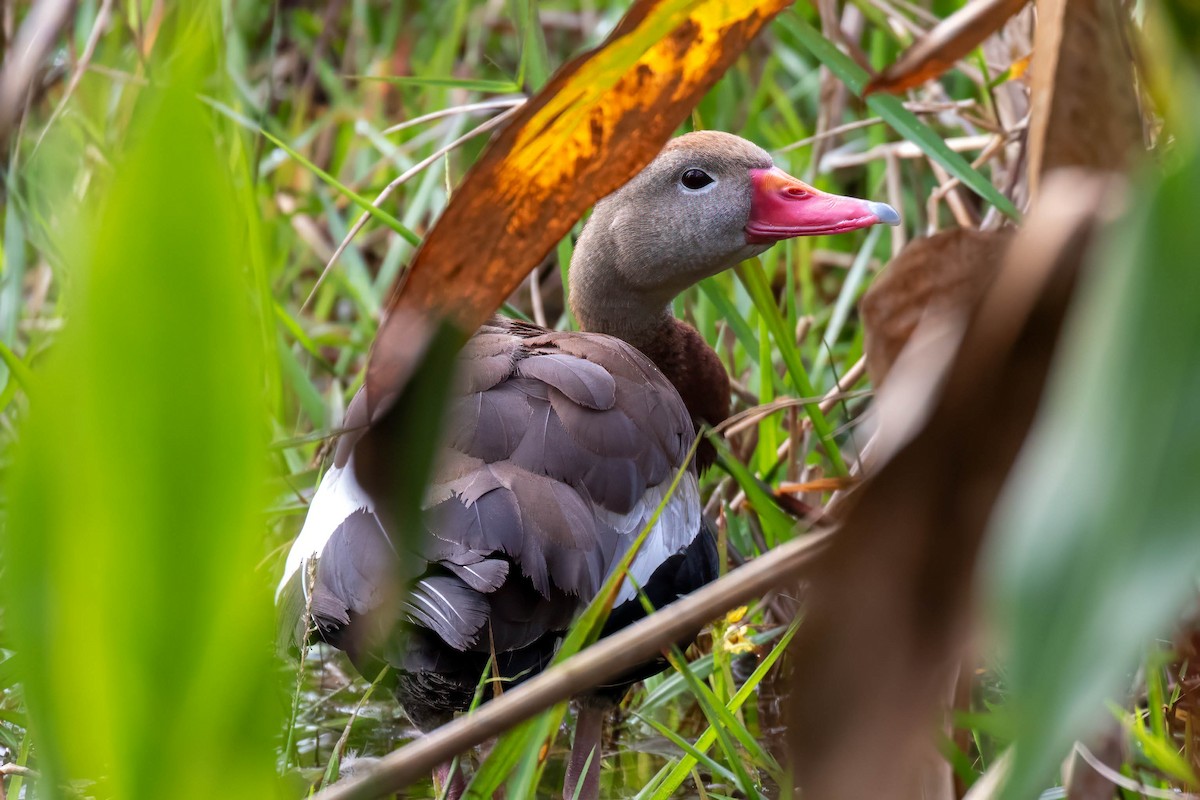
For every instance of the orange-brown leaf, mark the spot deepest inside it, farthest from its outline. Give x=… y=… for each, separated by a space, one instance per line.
x=950 y=40
x=833 y=484
x=600 y=119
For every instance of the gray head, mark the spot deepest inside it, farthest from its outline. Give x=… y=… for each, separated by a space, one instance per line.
x=707 y=202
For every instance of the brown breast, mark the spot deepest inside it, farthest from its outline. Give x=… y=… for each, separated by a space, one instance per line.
x=698 y=375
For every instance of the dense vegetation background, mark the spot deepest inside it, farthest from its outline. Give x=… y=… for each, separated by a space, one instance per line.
x=184 y=315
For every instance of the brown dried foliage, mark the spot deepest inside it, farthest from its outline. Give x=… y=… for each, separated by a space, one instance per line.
x=946 y=273
x=1085 y=109
x=944 y=45
x=889 y=605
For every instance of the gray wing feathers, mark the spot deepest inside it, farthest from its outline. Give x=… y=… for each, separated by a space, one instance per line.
x=356 y=565
x=490 y=424
x=487 y=359
x=357 y=572
x=585 y=383
x=481 y=574
x=609 y=432
x=673 y=531
x=569 y=444
x=449 y=608
x=558 y=449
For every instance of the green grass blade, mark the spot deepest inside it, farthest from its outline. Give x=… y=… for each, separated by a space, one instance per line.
x=755 y=280
x=306 y=393
x=293 y=326
x=16 y=367
x=726 y=720
x=679 y=773
x=535 y=57
x=892 y=110
x=512 y=751
x=728 y=311
x=333 y=768
x=718 y=769
x=768 y=427
x=846 y=298
x=470 y=84
x=776 y=524
x=16 y=783
x=354 y=197
x=713 y=291
x=674 y=685
x=12 y=278
x=705 y=699
x=1159 y=749
x=531 y=764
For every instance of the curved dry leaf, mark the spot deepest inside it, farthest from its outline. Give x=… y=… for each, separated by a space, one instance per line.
x=598 y=121
x=890 y=603
x=950 y=40
x=944 y=273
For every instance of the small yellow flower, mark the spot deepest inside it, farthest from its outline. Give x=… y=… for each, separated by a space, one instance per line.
x=736 y=638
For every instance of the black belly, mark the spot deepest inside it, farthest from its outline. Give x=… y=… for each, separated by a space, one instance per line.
x=431 y=695
x=435 y=680
x=680 y=574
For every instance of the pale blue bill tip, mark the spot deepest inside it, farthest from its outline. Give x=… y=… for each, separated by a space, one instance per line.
x=887 y=215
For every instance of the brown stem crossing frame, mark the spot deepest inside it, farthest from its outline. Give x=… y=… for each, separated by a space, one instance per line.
x=605 y=660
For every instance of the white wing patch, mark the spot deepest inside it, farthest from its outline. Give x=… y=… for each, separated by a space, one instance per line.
x=338 y=496
x=674 y=529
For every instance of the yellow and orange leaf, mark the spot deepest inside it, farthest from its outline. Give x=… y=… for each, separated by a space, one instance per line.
x=833 y=484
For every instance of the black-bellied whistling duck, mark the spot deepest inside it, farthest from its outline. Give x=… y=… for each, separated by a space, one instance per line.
x=560 y=446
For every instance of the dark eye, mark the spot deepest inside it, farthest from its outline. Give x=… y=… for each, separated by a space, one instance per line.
x=695 y=179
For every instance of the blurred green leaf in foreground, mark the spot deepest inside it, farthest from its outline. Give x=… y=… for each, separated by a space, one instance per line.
x=1099 y=550
x=136 y=491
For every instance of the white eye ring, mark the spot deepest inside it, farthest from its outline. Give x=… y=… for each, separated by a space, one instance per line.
x=694 y=179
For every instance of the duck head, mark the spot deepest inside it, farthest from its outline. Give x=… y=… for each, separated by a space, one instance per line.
x=707 y=202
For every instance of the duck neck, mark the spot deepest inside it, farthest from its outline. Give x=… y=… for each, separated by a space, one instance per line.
x=626 y=314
